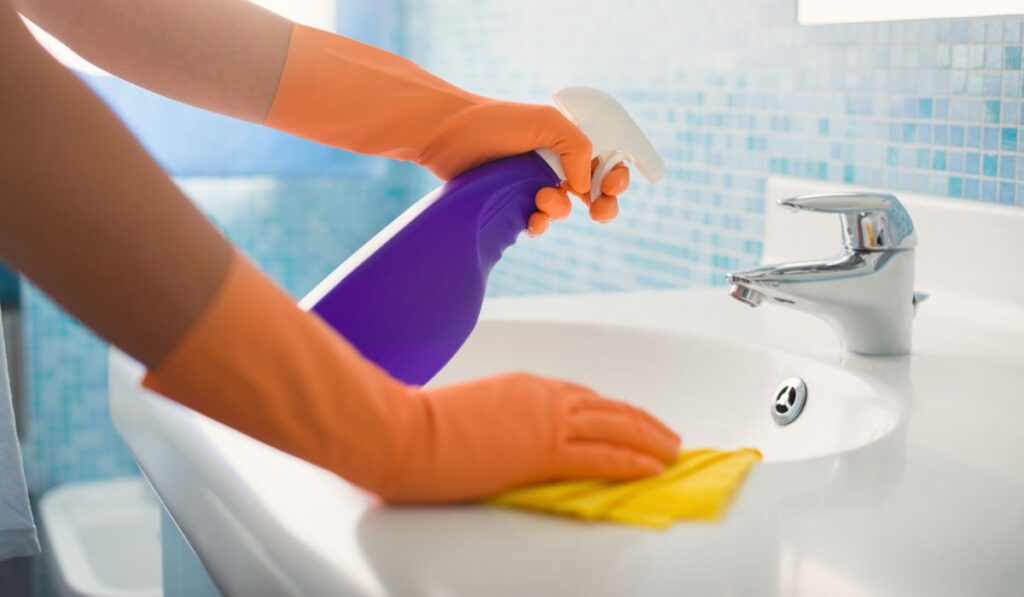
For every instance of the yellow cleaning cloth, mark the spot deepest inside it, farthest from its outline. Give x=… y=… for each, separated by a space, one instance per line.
x=697 y=486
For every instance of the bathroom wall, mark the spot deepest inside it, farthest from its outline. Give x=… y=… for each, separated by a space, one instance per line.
x=732 y=91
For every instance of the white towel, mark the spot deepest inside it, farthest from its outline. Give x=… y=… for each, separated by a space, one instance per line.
x=17 y=529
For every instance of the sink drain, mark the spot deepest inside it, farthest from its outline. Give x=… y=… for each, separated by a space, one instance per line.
x=789 y=400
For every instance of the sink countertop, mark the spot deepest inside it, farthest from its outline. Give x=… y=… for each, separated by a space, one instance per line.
x=935 y=507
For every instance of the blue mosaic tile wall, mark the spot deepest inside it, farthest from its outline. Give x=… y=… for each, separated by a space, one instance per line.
x=732 y=91
x=297 y=230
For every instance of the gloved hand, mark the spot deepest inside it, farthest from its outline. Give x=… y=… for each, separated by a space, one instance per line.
x=554 y=204
x=349 y=95
x=256 y=362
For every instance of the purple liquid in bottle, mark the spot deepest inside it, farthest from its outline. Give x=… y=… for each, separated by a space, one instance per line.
x=411 y=304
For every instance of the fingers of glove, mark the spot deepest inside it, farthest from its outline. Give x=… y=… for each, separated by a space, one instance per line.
x=585 y=197
x=596 y=460
x=554 y=202
x=537 y=224
x=571 y=145
x=585 y=403
x=604 y=208
x=624 y=430
x=616 y=182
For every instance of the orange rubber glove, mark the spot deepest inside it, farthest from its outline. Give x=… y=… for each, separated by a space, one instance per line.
x=256 y=362
x=352 y=96
x=554 y=204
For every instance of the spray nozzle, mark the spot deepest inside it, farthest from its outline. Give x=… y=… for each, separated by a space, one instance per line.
x=616 y=137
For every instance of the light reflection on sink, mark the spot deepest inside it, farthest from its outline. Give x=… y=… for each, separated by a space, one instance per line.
x=713 y=392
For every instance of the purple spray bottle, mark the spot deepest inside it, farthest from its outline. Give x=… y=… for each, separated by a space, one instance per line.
x=410 y=297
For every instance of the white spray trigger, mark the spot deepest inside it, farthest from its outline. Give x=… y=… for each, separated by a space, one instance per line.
x=614 y=134
x=606 y=161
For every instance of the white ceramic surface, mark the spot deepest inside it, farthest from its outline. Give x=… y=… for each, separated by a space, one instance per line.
x=714 y=393
x=903 y=477
x=102 y=539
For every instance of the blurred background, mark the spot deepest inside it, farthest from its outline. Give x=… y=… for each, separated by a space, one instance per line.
x=730 y=91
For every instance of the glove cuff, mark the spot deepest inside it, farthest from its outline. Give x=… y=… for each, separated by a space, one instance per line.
x=259 y=364
x=352 y=96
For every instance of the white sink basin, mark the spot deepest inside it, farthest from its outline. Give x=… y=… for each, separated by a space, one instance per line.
x=286 y=516
x=902 y=475
x=715 y=393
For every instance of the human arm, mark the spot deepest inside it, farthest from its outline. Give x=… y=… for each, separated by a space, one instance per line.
x=88 y=216
x=221 y=55
x=236 y=58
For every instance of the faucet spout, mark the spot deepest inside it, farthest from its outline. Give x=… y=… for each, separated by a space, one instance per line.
x=746 y=295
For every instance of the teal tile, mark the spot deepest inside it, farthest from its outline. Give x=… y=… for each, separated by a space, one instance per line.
x=989 y=164
x=1011 y=58
x=992 y=111
x=1008 y=139
x=956 y=186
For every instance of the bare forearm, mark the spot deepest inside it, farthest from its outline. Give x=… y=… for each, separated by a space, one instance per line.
x=88 y=216
x=221 y=55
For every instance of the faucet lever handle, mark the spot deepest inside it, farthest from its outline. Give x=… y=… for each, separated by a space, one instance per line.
x=871 y=221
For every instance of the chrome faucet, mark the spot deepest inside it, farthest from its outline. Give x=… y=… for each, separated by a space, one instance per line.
x=867 y=293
